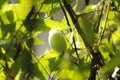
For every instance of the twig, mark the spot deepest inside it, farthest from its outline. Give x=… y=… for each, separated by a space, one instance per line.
x=105 y=24
x=86 y=2
x=70 y=31
x=82 y=14
x=8 y=70
x=77 y=26
x=96 y=61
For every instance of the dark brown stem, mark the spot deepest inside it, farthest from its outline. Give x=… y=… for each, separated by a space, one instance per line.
x=71 y=31
x=77 y=26
x=96 y=61
x=8 y=70
x=86 y=2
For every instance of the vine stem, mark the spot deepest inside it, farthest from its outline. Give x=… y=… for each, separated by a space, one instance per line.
x=105 y=23
x=70 y=31
x=96 y=62
x=77 y=26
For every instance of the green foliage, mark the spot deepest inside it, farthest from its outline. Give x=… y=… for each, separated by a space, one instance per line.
x=2 y=2
x=92 y=34
x=44 y=25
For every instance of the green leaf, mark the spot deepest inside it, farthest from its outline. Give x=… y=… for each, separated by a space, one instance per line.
x=2 y=2
x=47 y=62
x=35 y=72
x=23 y=63
x=55 y=1
x=37 y=41
x=4 y=43
x=13 y=1
x=30 y=42
x=50 y=9
x=4 y=19
x=118 y=1
x=44 y=25
x=107 y=50
x=47 y=6
x=8 y=28
x=64 y=22
x=50 y=1
x=86 y=23
x=10 y=15
x=50 y=54
x=52 y=58
x=1 y=54
x=1 y=35
x=112 y=15
x=112 y=64
x=21 y=9
x=50 y=6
